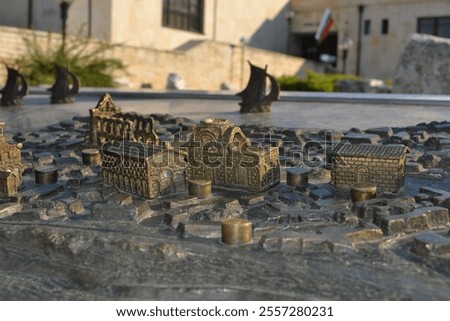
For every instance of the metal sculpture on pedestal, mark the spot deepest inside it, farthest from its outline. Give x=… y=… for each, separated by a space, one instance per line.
x=15 y=89
x=254 y=98
x=66 y=86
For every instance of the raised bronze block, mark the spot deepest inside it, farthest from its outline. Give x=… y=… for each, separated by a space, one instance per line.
x=237 y=231
x=91 y=156
x=363 y=191
x=297 y=176
x=200 y=188
x=46 y=175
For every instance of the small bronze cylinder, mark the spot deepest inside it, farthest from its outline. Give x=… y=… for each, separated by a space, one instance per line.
x=45 y=175
x=200 y=188
x=297 y=176
x=363 y=191
x=91 y=156
x=237 y=231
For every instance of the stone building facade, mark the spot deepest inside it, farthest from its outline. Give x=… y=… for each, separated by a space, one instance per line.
x=159 y=24
x=382 y=165
x=220 y=152
x=10 y=165
x=141 y=169
x=154 y=39
x=379 y=30
x=109 y=124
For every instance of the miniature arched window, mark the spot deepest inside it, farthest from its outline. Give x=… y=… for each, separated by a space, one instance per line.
x=362 y=174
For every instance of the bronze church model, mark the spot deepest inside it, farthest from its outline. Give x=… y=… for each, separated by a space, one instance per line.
x=220 y=152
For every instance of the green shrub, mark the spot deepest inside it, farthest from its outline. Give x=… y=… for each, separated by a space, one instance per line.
x=84 y=57
x=313 y=82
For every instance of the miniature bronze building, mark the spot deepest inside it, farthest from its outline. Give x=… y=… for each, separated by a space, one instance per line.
x=109 y=124
x=220 y=152
x=10 y=165
x=146 y=170
x=382 y=165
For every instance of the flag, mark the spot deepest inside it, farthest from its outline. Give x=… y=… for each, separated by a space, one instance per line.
x=324 y=27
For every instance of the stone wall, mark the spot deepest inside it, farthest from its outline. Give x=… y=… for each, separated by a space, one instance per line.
x=204 y=65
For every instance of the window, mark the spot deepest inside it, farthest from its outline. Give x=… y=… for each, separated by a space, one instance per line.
x=384 y=26
x=367 y=25
x=439 y=26
x=183 y=14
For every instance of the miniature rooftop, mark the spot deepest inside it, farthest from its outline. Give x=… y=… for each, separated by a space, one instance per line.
x=367 y=150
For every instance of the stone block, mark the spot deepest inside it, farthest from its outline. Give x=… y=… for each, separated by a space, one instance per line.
x=75 y=207
x=355 y=138
x=413 y=168
x=423 y=66
x=282 y=241
x=107 y=212
x=431 y=245
x=9 y=209
x=141 y=211
x=316 y=244
x=401 y=136
x=175 y=218
x=120 y=199
x=429 y=161
x=44 y=158
x=365 y=234
x=418 y=220
x=87 y=195
x=201 y=229
x=383 y=132
x=339 y=204
x=170 y=204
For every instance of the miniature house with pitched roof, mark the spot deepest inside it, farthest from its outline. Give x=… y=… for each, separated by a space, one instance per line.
x=382 y=165
x=220 y=152
x=10 y=165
